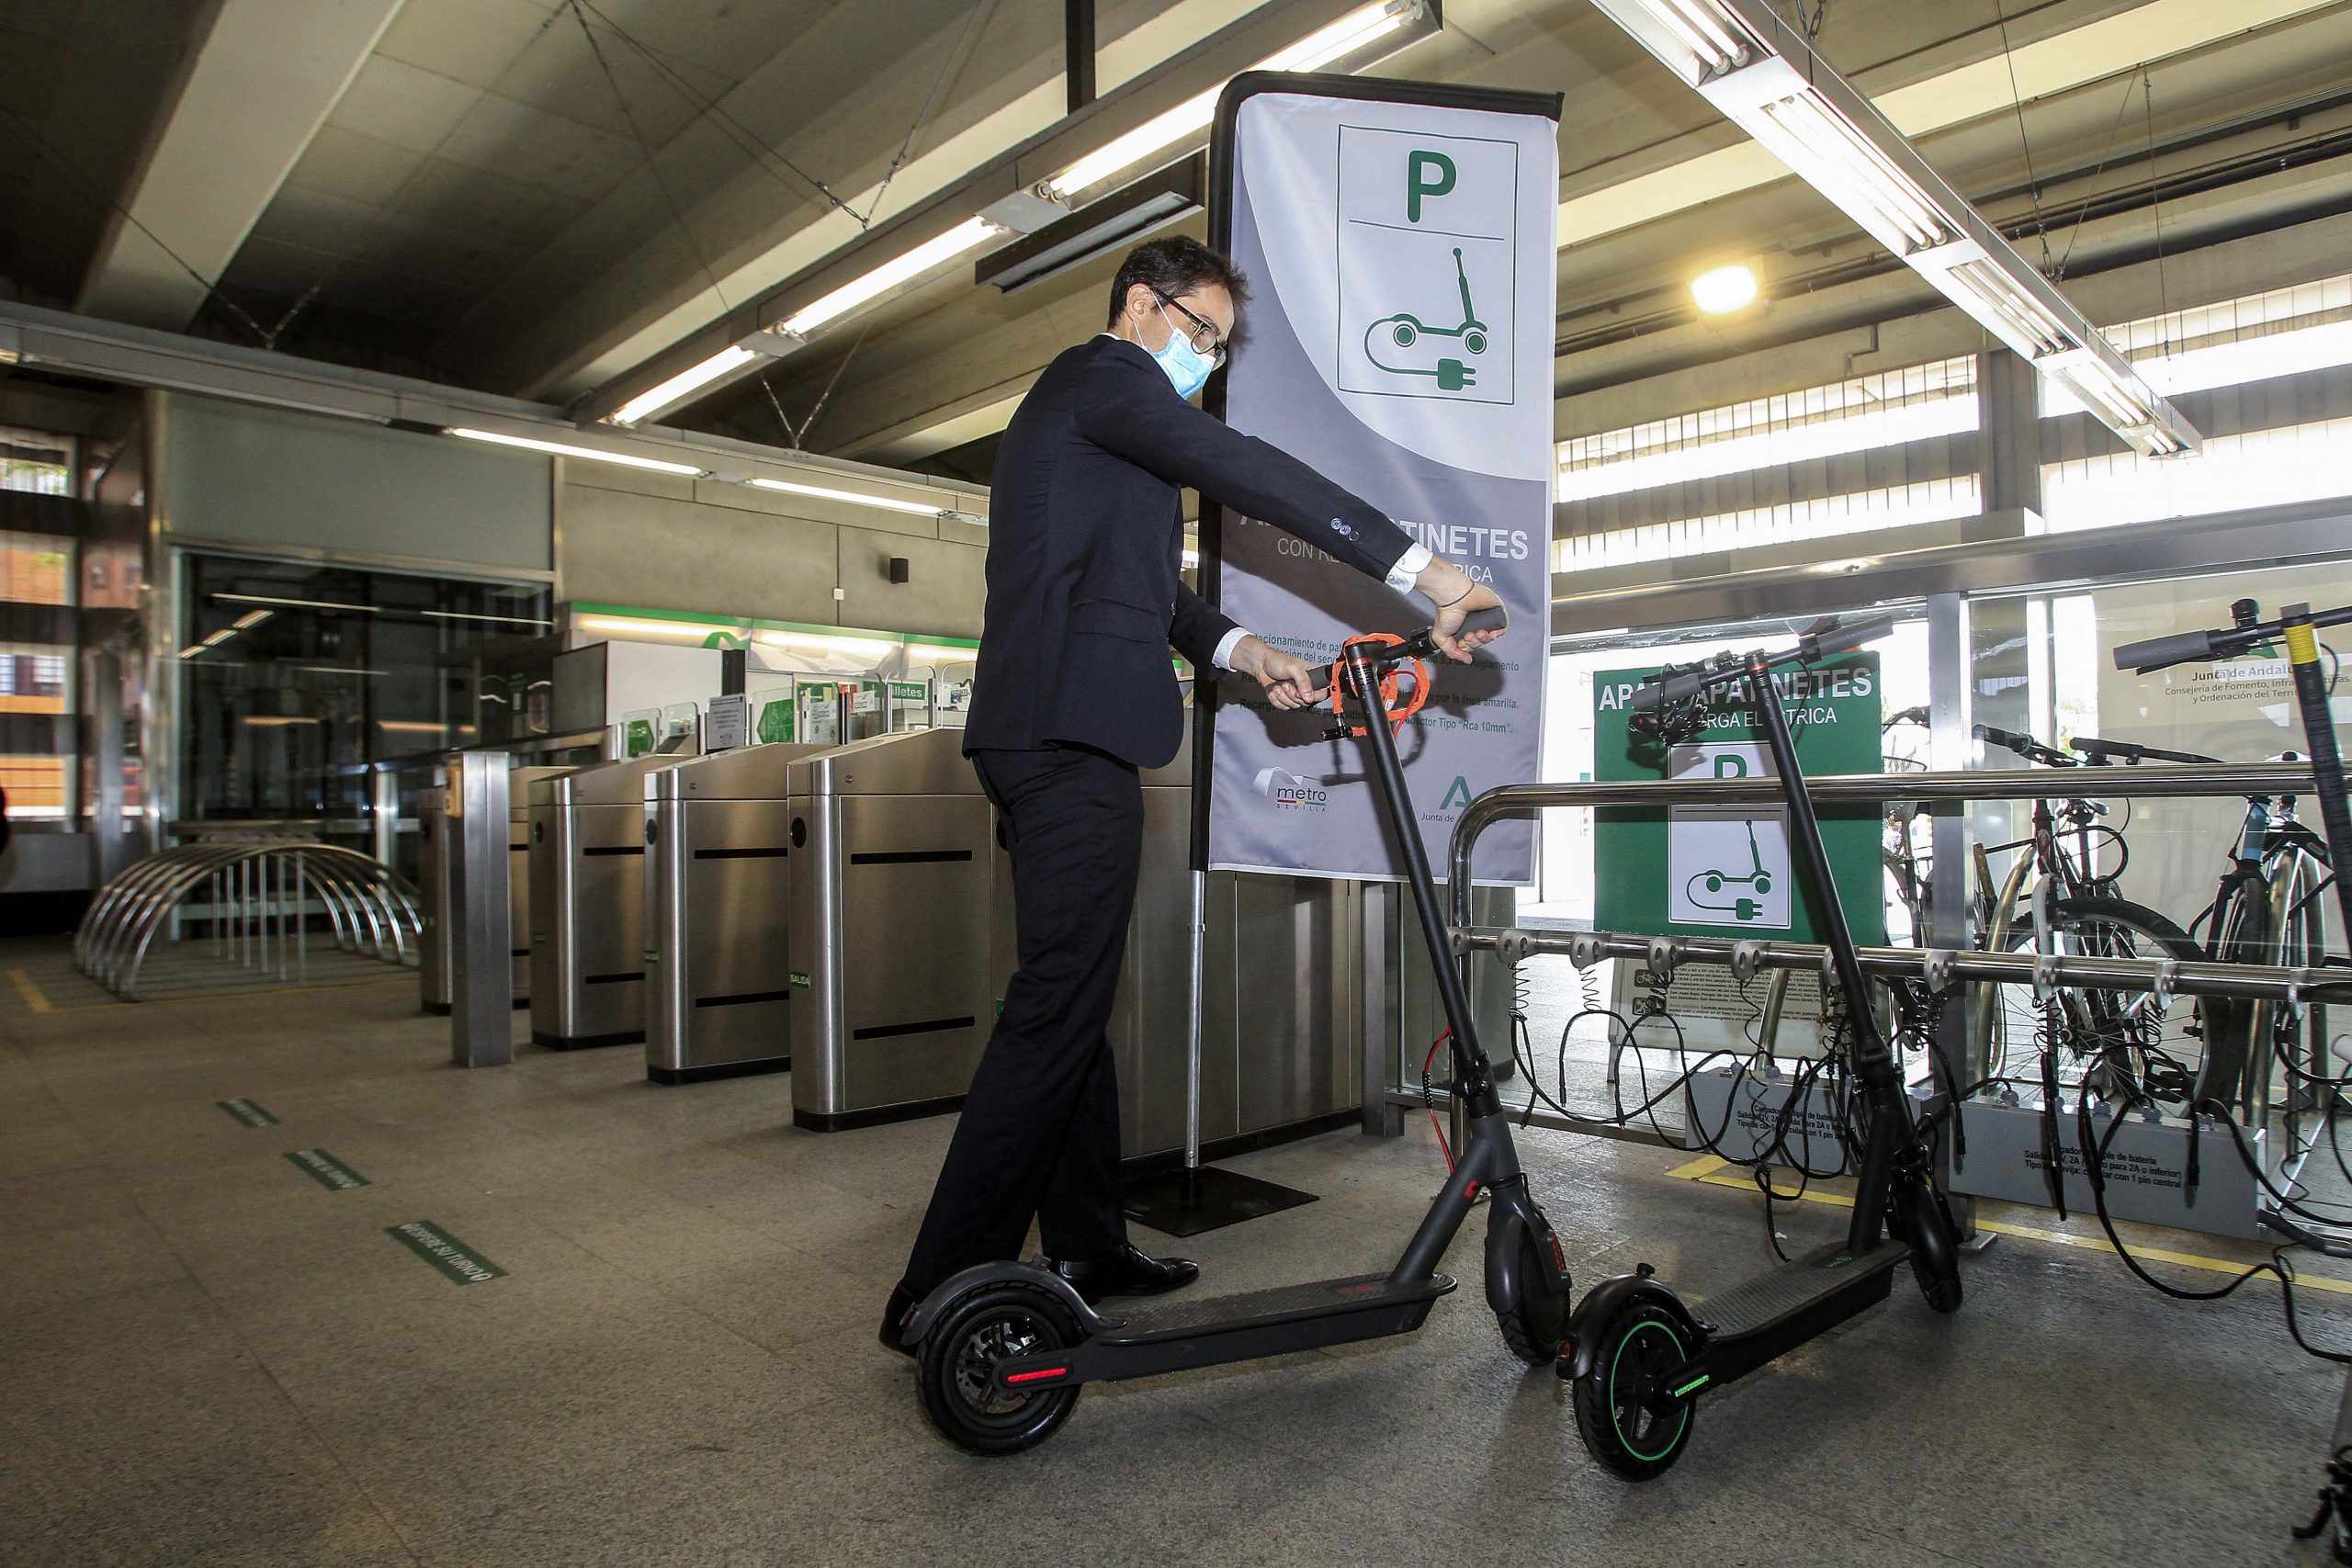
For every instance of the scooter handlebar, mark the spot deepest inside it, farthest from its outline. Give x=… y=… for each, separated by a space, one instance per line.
x=1417 y=645
x=1846 y=635
x=2158 y=652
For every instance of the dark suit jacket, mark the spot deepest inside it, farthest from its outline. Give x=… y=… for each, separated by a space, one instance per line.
x=1085 y=541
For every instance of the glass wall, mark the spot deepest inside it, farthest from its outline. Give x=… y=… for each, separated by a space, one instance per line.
x=294 y=675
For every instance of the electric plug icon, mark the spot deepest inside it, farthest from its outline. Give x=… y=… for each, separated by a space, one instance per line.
x=1452 y=375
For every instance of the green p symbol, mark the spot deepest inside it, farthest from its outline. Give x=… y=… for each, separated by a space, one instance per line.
x=1426 y=174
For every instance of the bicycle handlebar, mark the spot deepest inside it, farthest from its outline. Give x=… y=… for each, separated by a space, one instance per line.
x=2100 y=750
x=2025 y=746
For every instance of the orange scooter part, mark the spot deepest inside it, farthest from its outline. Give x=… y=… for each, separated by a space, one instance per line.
x=1391 y=710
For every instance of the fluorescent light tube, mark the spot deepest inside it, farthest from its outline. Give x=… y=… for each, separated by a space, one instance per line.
x=888 y=503
x=932 y=255
x=564 y=449
x=252 y=618
x=628 y=625
x=1363 y=26
x=293 y=603
x=678 y=388
x=469 y=615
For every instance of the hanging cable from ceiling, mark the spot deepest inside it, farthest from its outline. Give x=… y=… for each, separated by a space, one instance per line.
x=711 y=110
x=646 y=152
x=2017 y=104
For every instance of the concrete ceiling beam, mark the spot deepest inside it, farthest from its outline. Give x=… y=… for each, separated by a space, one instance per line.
x=254 y=91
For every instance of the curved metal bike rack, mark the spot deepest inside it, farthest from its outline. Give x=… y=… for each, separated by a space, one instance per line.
x=256 y=899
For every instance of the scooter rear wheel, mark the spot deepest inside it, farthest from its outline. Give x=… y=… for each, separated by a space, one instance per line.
x=1638 y=1347
x=994 y=1324
x=1535 y=1325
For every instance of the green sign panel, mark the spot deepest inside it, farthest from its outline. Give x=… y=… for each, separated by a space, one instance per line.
x=247 y=1112
x=1726 y=870
x=775 y=722
x=446 y=1252
x=910 y=690
x=326 y=1170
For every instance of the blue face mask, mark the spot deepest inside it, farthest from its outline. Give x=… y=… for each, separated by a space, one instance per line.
x=1187 y=367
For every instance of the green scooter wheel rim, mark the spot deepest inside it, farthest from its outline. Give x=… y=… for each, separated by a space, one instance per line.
x=1680 y=1426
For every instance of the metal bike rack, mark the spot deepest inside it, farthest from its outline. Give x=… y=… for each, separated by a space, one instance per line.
x=1937 y=966
x=257 y=899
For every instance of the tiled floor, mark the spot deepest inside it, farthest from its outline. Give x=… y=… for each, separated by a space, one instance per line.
x=208 y=1356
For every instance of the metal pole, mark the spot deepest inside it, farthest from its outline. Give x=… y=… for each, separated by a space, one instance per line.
x=1948 y=917
x=481 y=982
x=1195 y=1022
x=1078 y=38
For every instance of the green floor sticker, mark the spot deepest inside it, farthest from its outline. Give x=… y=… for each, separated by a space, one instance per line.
x=247 y=1112
x=326 y=1170
x=445 y=1252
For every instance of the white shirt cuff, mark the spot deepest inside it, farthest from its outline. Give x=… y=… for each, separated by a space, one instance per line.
x=1409 y=566
x=1222 y=657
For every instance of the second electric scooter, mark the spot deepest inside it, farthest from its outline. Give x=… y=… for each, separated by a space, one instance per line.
x=1005 y=1348
x=1638 y=1354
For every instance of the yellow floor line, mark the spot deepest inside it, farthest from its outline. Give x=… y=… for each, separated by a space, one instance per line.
x=1714 y=1172
x=30 y=992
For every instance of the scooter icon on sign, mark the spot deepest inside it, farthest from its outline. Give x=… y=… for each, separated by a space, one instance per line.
x=1705 y=891
x=1402 y=331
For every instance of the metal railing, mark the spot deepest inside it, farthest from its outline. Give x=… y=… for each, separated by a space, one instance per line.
x=255 y=900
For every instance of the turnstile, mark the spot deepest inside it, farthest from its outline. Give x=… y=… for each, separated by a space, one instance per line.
x=587 y=904
x=894 y=869
x=437 y=877
x=718 y=993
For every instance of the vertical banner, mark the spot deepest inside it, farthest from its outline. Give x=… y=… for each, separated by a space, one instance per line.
x=1399 y=241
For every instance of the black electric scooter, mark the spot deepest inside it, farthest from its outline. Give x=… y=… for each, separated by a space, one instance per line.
x=1639 y=1356
x=1004 y=1349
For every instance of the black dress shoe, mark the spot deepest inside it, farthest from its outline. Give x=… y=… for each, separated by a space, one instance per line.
x=1128 y=1273
x=893 y=1317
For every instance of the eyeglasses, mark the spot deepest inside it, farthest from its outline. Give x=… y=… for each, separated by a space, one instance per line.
x=1203 y=334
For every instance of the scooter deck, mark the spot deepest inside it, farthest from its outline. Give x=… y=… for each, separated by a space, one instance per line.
x=1175 y=1317
x=1804 y=1280
x=1167 y=1336
x=1753 y=1323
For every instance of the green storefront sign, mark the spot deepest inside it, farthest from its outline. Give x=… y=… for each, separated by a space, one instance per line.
x=1724 y=870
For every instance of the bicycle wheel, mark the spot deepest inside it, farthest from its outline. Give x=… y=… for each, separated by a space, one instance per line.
x=2122 y=1043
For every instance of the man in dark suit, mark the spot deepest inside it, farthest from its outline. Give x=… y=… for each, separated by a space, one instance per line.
x=1073 y=693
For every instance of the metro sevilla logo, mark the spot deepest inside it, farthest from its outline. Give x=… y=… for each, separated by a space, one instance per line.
x=1285 y=788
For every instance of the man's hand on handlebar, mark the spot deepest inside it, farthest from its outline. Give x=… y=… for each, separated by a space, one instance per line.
x=1450 y=587
x=1290 y=680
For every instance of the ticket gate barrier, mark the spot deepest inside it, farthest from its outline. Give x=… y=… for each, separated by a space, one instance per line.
x=719 y=998
x=894 y=868
x=436 y=873
x=587 y=904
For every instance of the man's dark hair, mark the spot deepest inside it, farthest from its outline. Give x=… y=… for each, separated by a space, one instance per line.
x=1174 y=266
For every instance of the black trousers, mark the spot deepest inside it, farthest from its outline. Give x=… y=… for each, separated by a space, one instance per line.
x=1040 y=1129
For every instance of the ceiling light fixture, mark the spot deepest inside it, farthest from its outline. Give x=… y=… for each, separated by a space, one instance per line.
x=251 y=618
x=1360 y=29
x=1765 y=77
x=929 y=257
x=684 y=384
x=888 y=503
x=565 y=450
x=1723 y=290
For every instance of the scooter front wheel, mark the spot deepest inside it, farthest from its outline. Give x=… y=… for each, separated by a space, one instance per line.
x=1617 y=1402
x=994 y=1324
